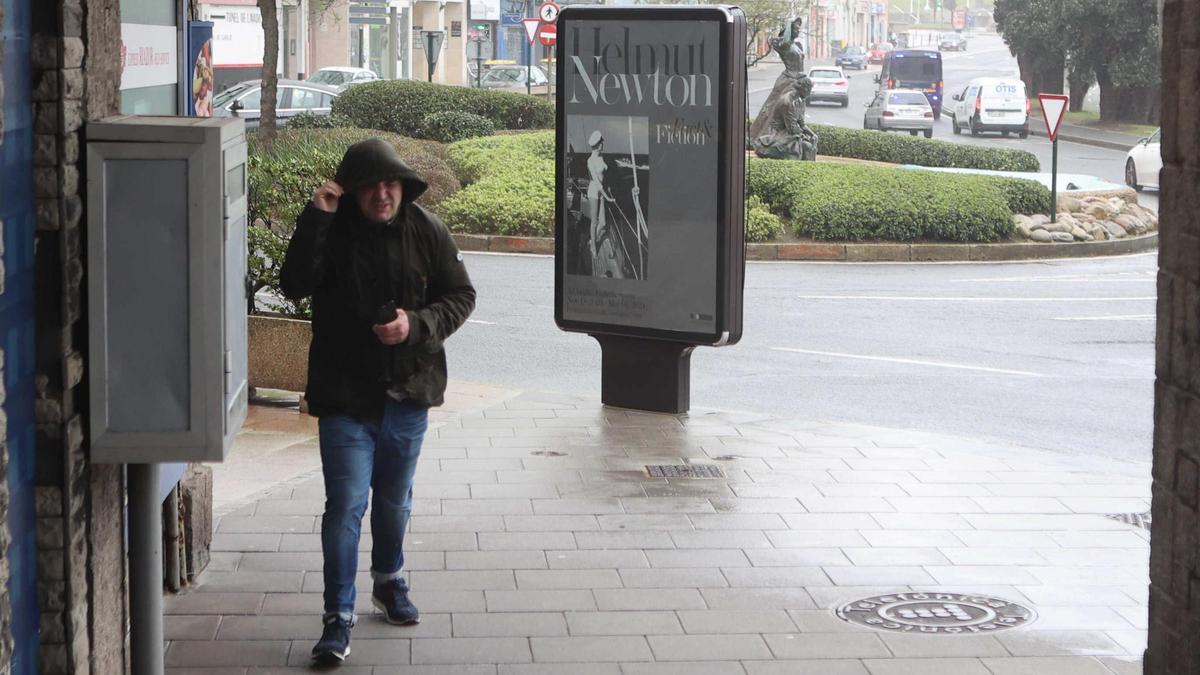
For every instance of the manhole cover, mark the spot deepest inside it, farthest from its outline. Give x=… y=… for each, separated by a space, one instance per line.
x=1141 y=520
x=548 y=453
x=941 y=613
x=684 y=471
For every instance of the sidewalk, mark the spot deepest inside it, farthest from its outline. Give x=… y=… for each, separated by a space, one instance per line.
x=540 y=545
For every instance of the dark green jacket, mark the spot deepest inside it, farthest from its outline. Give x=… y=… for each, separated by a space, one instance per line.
x=352 y=268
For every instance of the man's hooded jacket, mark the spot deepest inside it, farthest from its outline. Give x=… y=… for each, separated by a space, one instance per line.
x=355 y=270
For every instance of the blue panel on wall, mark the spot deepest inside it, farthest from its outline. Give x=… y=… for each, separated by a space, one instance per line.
x=16 y=327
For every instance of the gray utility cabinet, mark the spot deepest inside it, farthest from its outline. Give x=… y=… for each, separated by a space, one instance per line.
x=166 y=287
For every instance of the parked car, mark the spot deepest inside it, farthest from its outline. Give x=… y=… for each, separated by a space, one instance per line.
x=293 y=97
x=1144 y=162
x=829 y=84
x=952 y=42
x=853 y=57
x=991 y=104
x=512 y=78
x=878 y=52
x=900 y=110
x=340 y=77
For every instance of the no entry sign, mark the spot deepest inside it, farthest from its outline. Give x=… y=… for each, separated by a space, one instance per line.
x=548 y=35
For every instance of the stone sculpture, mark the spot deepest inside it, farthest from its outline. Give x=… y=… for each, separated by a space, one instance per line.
x=779 y=131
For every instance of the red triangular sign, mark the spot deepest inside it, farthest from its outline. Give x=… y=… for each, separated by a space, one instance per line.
x=531 y=28
x=1053 y=107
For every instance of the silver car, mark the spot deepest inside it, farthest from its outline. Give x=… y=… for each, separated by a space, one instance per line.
x=900 y=110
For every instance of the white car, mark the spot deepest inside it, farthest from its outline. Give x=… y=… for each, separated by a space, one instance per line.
x=829 y=84
x=341 y=77
x=900 y=110
x=1143 y=162
x=991 y=104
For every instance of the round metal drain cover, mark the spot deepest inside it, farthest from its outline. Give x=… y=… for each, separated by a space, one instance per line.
x=936 y=613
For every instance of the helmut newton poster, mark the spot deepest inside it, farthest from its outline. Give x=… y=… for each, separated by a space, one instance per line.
x=650 y=161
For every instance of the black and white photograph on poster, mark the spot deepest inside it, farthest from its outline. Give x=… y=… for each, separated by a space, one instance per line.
x=607 y=196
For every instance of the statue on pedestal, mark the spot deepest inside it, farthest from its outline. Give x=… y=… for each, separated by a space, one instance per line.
x=779 y=131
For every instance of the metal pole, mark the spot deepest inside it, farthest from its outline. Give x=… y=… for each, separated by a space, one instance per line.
x=145 y=570
x=1054 y=182
x=528 y=54
x=172 y=532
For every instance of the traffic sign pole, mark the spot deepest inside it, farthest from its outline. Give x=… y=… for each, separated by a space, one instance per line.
x=1054 y=182
x=1053 y=107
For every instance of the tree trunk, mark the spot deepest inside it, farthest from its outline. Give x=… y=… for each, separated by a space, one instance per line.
x=1110 y=95
x=1027 y=74
x=1080 y=82
x=270 y=79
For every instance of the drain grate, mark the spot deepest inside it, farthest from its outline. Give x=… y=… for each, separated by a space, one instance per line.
x=548 y=453
x=684 y=471
x=1141 y=520
x=944 y=613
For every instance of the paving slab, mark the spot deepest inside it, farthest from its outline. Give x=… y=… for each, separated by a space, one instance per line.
x=539 y=546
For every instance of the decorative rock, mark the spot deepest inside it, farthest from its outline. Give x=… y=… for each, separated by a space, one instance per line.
x=1131 y=224
x=1068 y=204
x=1039 y=219
x=1024 y=230
x=1081 y=235
x=1114 y=229
x=1020 y=218
x=1061 y=236
x=1098 y=211
x=1041 y=236
x=1060 y=226
x=1099 y=233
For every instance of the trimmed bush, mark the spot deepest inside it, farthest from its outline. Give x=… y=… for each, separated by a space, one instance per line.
x=310 y=120
x=1028 y=197
x=898 y=148
x=509 y=185
x=449 y=126
x=844 y=202
x=761 y=224
x=401 y=106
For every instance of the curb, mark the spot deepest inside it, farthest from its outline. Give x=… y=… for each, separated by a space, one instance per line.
x=865 y=252
x=1082 y=140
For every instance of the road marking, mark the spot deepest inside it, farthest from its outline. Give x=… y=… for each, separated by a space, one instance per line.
x=949 y=298
x=481 y=322
x=1141 y=277
x=912 y=362
x=1123 y=317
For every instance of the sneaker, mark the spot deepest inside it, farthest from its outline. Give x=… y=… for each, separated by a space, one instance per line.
x=334 y=644
x=391 y=597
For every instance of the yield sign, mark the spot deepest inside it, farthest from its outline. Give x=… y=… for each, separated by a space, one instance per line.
x=548 y=35
x=1053 y=107
x=531 y=27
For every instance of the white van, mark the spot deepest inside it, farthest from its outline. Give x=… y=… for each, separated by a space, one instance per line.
x=991 y=104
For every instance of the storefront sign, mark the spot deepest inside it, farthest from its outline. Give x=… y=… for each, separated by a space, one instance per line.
x=149 y=56
x=237 y=36
x=485 y=10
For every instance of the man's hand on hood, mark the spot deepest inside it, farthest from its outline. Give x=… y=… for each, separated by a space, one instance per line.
x=326 y=197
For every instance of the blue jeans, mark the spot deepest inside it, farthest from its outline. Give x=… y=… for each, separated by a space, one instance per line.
x=358 y=457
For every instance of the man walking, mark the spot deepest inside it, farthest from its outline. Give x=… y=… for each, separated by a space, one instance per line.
x=388 y=286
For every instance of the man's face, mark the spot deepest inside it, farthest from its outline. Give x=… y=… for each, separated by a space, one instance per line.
x=380 y=201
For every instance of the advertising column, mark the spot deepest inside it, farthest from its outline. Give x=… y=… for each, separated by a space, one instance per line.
x=650 y=180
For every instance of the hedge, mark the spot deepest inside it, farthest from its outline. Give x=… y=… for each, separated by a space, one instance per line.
x=509 y=185
x=880 y=146
x=449 y=126
x=761 y=224
x=845 y=202
x=311 y=120
x=401 y=106
x=282 y=180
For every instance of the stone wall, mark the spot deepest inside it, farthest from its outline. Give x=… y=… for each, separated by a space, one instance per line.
x=1174 y=644
x=76 y=72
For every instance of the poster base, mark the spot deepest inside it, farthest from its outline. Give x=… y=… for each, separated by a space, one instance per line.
x=644 y=374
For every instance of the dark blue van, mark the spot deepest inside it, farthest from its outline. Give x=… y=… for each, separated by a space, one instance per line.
x=919 y=69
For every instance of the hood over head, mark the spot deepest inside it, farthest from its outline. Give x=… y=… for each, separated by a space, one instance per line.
x=373 y=160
